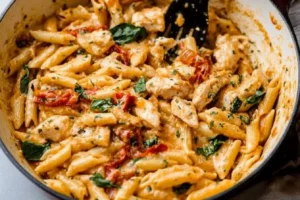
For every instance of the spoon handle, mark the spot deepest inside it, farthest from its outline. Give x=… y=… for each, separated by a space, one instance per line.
x=283 y=6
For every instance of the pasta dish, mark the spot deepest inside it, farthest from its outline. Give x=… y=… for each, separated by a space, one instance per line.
x=105 y=108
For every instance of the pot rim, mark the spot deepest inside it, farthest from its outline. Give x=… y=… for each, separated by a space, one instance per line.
x=256 y=172
x=229 y=191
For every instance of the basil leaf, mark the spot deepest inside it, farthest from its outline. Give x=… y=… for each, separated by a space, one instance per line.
x=181 y=188
x=101 y=182
x=140 y=85
x=25 y=81
x=33 y=152
x=126 y=33
x=256 y=98
x=151 y=142
x=214 y=145
x=101 y=105
x=236 y=104
x=78 y=89
x=245 y=119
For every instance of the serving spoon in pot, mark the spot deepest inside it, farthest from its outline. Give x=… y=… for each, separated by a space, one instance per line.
x=187 y=17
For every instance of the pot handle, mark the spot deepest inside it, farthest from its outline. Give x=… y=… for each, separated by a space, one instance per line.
x=283 y=6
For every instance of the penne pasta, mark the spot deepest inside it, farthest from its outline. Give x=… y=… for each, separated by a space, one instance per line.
x=60 y=54
x=53 y=37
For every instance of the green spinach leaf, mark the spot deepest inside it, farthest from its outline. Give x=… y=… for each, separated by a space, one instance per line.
x=140 y=85
x=126 y=33
x=181 y=188
x=245 y=119
x=33 y=152
x=256 y=98
x=214 y=145
x=101 y=182
x=25 y=81
x=151 y=142
x=236 y=104
x=78 y=89
x=101 y=105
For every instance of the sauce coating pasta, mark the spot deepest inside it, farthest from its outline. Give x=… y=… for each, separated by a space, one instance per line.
x=101 y=114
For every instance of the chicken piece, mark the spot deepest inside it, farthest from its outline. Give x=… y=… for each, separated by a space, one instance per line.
x=186 y=111
x=116 y=12
x=229 y=50
x=168 y=88
x=97 y=42
x=134 y=7
x=147 y=112
x=138 y=53
x=205 y=92
x=159 y=47
x=150 y=18
x=56 y=128
x=185 y=71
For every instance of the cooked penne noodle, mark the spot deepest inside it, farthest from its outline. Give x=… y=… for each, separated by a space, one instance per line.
x=225 y=158
x=252 y=135
x=245 y=162
x=172 y=176
x=31 y=107
x=18 y=110
x=56 y=160
x=60 y=55
x=229 y=130
x=82 y=164
x=92 y=81
x=151 y=164
x=58 y=186
x=100 y=10
x=38 y=61
x=35 y=138
x=128 y=188
x=53 y=37
x=19 y=61
x=78 y=64
x=211 y=190
x=76 y=187
x=96 y=192
x=94 y=119
x=59 y=80
x=265 y=126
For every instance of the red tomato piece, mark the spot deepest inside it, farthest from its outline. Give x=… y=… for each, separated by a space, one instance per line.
x=56 y=98
x=203 y=65
x=153 y=150
x=89 y=29
x=126 y=101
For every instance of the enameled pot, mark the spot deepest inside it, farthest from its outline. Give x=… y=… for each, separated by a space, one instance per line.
x=265 y=22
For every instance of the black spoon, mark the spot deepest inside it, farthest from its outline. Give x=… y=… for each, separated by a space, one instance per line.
x=195 y=14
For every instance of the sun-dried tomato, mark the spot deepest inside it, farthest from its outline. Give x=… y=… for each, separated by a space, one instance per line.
x=56 y=98
x=203 y=65
x=124 y=54
x=83 y=30
x=125 y=100
x=153 y=150
x=119 y=158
